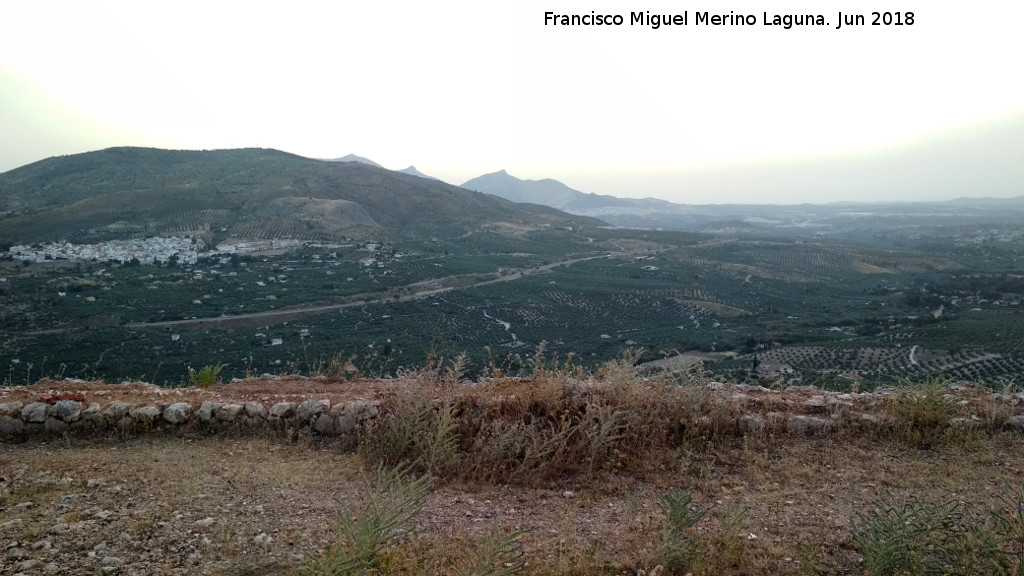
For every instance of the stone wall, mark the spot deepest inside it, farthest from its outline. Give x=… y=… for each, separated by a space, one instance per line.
x=319 y=417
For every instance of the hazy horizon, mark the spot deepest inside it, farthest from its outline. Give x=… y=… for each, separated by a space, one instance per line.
x=694 y=115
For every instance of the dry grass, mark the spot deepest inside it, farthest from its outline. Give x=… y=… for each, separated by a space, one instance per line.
x=576 y=471
x=783 y=505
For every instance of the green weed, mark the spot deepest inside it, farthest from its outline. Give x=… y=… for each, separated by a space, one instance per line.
x=205 y=377
x=393 y=498
x=497 y=554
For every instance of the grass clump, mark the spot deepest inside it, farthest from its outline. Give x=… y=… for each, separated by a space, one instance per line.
x=923 y=412
x=393 y=498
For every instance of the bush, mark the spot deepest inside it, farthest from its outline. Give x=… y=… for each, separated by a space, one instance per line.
x=205 y=377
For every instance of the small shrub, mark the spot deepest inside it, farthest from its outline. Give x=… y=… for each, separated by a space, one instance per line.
x=205 y=377
x=417 y=433
x=920 y=537
x=677 y=547
x=497 y=554
x=897 y=538
x=393 y=498
x=602 y=429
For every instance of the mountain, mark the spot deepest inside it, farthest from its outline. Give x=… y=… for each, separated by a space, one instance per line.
x=354 y=158
x=799 y=220
x=412 y=171
x=243 y=193
x=550 y=192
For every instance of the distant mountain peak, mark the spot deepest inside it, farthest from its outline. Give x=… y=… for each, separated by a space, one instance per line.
x=411 y=170
x=551 y=192
x=354 y=158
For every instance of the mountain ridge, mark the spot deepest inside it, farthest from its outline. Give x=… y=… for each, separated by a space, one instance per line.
x=135 y=192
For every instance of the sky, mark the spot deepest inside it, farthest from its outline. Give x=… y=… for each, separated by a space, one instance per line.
x=691 y=114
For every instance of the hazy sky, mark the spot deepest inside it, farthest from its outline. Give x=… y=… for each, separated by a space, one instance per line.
x=687 y=113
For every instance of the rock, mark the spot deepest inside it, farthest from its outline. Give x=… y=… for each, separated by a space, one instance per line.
x=54 y=425
x=808 y=424
x=42 y=545
x=15 y=553
x=329 y=425
x=961 y=422
x=362 y=411
x=104 y=515
x=11 y=526
x=208 y=410
x=229 y=412
x=145 y=414
x=262 y=539
x=310 y=409
x=11 y=426
x=324 y=424
x=749 y=423
x=816 y=403
x=178 y=412
x=67 y=410
x=282 y=410
x=1016 y=422
x=57 y=529
x=68 y=501
x=91 y=413
x=568 y=494
x=28 y=565
x=52 y=568
x=24 y=505
x=12 y=409
x=869 y=420
x=117 y=411
x=34 y=412
x=110 y=562
x=255 y=410
x=205 y=522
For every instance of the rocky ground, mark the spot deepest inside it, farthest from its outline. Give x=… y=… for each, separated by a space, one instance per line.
x=183 y=502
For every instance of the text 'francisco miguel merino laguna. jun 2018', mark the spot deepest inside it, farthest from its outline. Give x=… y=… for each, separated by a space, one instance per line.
x=686 y=18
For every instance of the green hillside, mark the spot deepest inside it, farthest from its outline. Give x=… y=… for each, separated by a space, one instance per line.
x=246 y=193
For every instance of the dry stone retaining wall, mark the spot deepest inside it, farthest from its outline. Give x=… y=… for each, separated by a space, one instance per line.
x=318 y=417
x=804 y=410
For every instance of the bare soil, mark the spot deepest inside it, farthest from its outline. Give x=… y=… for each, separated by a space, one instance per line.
x=190 y=504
